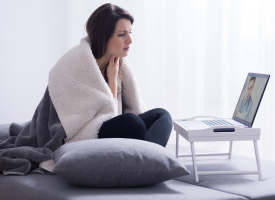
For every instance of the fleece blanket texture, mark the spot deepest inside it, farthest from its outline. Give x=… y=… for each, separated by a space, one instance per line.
x=81 y=96
x=76 y=103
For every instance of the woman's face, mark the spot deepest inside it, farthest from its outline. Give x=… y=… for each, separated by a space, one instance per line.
x=119 y=43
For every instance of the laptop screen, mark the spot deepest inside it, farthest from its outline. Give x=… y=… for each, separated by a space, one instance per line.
x=250 y=98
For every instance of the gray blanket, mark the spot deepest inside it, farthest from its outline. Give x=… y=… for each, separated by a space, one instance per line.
x=29 y=145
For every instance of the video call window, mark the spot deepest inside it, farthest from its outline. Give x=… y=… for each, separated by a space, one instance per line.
x=250 y=97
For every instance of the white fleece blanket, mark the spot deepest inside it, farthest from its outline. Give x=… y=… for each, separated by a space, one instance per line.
x=81 y=96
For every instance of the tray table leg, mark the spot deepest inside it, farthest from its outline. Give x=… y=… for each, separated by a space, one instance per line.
x=177 y=144
x=230 y=149
x=258 y=160
x=194 y=161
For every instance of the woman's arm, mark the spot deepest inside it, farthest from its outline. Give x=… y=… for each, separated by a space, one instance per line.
x=112 y=72
x=113 y=86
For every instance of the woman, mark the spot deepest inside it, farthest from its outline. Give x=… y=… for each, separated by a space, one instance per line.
x=92 y=93
x=109 y=29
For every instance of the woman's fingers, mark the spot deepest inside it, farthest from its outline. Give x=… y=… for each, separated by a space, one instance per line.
x=113 y=67
x=117 y=60
x=112 y=59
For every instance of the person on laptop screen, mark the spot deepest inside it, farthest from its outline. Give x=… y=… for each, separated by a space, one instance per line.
x=246 y=104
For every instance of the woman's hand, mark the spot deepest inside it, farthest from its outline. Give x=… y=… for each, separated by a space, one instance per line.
x=112 y=71
x=112 y=68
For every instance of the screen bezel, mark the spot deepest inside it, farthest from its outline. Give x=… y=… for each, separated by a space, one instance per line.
x=249 y=124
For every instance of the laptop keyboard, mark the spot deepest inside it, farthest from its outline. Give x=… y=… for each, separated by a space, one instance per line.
x=217 y=122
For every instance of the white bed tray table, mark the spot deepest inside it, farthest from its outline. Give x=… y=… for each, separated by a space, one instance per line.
x=208 y=134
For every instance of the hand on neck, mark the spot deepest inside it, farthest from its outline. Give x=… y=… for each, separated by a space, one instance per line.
x=102 y=63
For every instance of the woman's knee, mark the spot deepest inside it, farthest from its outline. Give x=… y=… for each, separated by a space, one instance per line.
x=135 y=125
x=164 y=113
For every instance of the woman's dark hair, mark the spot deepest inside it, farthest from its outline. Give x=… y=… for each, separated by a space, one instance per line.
x=100 y=27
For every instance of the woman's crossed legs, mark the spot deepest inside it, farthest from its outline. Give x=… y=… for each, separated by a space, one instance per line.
x=154 y=126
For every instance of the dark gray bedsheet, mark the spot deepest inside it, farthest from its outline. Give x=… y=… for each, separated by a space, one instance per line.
x=32 y=143
x=45 y=187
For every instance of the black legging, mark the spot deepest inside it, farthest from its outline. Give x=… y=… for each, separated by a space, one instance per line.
x=154 y=126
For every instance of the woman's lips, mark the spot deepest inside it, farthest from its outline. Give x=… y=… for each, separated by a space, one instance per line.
x=127 y=49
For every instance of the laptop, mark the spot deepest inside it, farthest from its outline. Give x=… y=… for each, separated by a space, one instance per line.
x=246 y=108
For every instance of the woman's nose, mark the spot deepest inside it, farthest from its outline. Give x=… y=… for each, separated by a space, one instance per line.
x=129 y=40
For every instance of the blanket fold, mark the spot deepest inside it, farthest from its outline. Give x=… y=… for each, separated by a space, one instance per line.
x=33 y=143
x=75 y=104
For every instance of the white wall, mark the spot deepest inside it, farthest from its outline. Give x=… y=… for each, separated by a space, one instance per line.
x=34 y=35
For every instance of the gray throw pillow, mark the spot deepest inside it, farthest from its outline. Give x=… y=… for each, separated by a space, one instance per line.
x=115 y=162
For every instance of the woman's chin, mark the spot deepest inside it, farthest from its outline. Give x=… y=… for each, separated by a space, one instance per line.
x=123 y=54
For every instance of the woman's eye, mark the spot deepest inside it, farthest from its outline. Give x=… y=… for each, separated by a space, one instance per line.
x=123 y=34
